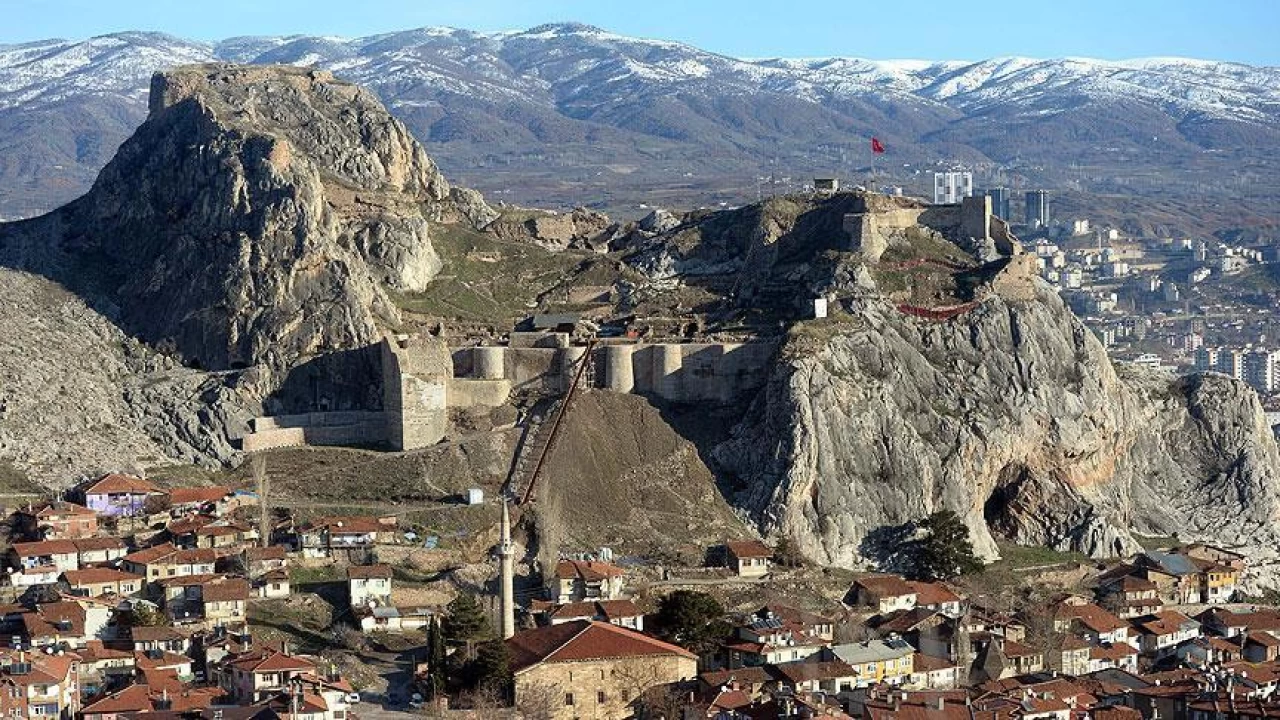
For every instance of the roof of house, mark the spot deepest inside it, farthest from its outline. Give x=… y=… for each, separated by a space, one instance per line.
x=586 y=570
x=156 y=633
x=359 y=524
x=63 y=619
x=928 y=663
x=1172 y=563
x=268 y=660
x=932 y=593
x=798 y=672
x=1114 y=652
x=1165 y=622
x=59 y=507
x=134 y=698
x=589 y=609
x=188 y=580
x=1090 y=615
x=366 y=572
x=748 y=549
x=584 y=640
x=190 y=495
x=44 y=547
x=155 y=553
x=271 y=552
x=97 y=576
x=227 y=590
x=795 y=615
x=756 y=675
x=872 y=651
x=103 y=543
x=119 y=483
x=884 y=585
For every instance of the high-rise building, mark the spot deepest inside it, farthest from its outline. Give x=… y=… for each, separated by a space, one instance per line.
x=949 y=188
x=1000 y=198
x=1037 y=209
x=1260 y=370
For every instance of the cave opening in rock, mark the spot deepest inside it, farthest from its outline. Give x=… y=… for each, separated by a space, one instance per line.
x=999 y=509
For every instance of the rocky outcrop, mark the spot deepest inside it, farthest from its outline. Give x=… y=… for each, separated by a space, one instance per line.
x=1011 y=415
x=258 y=216
x=581 y=229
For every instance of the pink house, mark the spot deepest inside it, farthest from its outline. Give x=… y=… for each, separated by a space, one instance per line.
x=119 y=494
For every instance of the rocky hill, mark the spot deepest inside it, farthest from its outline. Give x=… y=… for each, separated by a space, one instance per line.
x=568 y=112
x=258 y=216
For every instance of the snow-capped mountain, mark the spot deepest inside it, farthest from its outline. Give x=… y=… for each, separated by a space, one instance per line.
x=566 y=101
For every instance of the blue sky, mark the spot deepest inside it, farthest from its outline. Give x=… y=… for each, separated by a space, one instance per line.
x=1240 y=30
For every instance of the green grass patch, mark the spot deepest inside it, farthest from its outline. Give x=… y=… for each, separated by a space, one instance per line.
x=15 y=482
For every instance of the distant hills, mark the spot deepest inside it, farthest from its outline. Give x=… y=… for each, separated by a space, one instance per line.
x=561 y=115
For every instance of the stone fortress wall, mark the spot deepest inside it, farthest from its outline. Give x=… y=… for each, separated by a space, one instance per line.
x=423 y=379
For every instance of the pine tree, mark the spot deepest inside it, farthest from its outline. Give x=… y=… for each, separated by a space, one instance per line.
x=465 y=622
x=692 y=619
x=944 y=551
x=436 y=673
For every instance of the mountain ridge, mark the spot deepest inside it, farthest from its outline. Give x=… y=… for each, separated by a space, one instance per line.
x=555 y=107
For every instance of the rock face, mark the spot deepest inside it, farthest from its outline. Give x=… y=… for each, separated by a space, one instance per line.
x=1011 y=415
x=581 y=229
x=259 y=215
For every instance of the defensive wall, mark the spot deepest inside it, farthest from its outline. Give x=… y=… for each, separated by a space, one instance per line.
x=423 y=379
x=881 y=221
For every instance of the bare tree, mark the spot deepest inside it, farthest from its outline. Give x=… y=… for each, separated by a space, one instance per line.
x=262 y=481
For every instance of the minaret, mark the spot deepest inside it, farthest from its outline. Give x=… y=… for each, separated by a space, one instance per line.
x=506 y=554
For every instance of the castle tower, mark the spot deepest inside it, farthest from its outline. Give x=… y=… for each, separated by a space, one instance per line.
x=506 y=554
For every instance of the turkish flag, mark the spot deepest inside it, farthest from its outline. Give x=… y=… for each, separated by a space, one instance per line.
x=876 y=147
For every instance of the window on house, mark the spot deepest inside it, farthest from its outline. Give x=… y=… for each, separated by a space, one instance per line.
x=600 y=697
x=568 y=699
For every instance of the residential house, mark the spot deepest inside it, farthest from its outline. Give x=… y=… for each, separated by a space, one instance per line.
x=748 y=558
x=260 y=560
x=1075 y=614
x=623 y=613
x=99 y=551
x=167 y=561
x=932 y=673
x=30 y=577
x=1211 y=650
x=1070 y=656
x=811 y=623
x=1261 y=647
x=1177 y=577
x=395 y=619
x=369 y=585
x=928 y=631
x=66 y=622
x=1130 y=596
x=196 y=499
x=258 y=675
x=1230 y=624
x=60 y=554
x=884 y=593
x=322 y=537
x=597 y=669
x=1214 y=554
x=57 y=520
x=1160 y=634
x=876 y=662
x=937 y=596
x=102 y=668
x=272 y=584
x=163 y=697
x=160 y=638
x=998 y=658
x=226 y=602
x=578 y=580
x=826 y=676
x=37 y=685
x=209 y=599
x=97 y=581
x=1120 y=656
x=224 y=534
x=771 y=640
x=118 y=494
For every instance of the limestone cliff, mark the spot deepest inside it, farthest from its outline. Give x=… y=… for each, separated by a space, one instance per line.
x=1013 y=416
x=259 y=215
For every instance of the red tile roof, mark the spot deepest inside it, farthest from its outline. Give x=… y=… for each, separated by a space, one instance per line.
x=366 y=572
x=60 y=507
x=270 y=661
x=584 y=640
x=748 y=549
x=121 y=483
x=227 y=590
x=105 y=543
x=191 y=495
x=97 y=576
x=258 y=554
x=930 y=593
x=44 y=547
x=884 y=586
x=586 y=570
